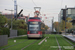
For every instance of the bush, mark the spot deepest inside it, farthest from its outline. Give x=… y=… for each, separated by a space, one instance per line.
x=4 y=31
x=22 y=31
x=56 y=32
x=70 y=30
x=53 y=32
x=60 y=32
x=1 y=32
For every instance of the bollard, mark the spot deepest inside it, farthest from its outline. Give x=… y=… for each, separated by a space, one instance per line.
x=14 y=40
x=45 y=40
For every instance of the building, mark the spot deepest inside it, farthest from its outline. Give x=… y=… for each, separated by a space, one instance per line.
x=23 y=18
x=9 y=16
x=70 y=12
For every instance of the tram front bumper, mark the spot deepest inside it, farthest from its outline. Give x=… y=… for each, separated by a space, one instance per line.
x=34 y=35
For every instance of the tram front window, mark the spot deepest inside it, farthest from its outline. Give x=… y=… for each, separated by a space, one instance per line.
x=33 y=27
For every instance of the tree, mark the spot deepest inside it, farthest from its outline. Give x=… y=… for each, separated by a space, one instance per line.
x=19 y=24
x=9 y=23
x=68 y=19
x=56 y=26
x=46 y=27
x=3 y=20
x=68 y=24
x=42 y=26
x=62 y=25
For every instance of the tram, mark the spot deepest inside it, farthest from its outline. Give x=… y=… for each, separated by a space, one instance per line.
x=34 y=28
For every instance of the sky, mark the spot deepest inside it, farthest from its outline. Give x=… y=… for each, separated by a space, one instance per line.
x=49 y=7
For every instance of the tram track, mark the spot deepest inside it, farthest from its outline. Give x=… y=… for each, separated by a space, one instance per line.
x=58 y=43
x=68 y=42
x=65 y=46
x=14 y=45
x=29 y=45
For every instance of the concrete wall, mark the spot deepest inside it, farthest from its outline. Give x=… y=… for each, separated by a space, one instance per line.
x=3 y=40
x=13 y=33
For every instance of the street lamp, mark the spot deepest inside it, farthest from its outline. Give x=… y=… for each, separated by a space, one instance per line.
x=11 y=16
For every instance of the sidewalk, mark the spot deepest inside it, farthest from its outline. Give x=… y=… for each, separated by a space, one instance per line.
x=70 y=37
x=16 y=36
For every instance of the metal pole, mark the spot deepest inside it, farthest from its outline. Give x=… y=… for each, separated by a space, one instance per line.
x=52 y=24
x=65 y=19
x=11 y=16
x=16 y=11
x=58 y=23
x=11 y=19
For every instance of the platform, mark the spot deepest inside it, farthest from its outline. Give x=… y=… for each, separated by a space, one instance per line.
x=70 y=37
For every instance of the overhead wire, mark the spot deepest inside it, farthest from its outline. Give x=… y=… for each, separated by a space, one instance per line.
x=23 y=7
x=34 y=3
x=60 y=6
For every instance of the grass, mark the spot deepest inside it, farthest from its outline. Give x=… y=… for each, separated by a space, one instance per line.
x=51 y=43
x=21 y=45
x=70 y=41
x=45 y=45
x=63 y=43
x=11 y=41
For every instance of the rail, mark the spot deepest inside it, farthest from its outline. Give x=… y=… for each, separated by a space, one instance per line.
x=58 y=43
